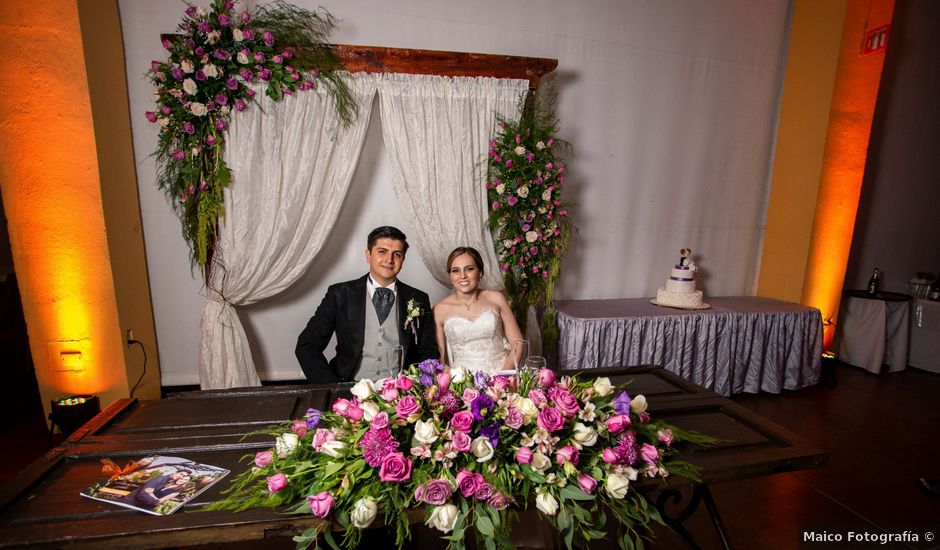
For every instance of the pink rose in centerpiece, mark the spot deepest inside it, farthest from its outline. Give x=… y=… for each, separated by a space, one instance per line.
x=404 y=383
x=395 y=467
x=462 y=421
x=461 y=441
x=436 y=492
x=665 y=436
x=485 y=491
x=277 y=482
x=469 y=395
x=264 y=458
x=299 y=427
x=546 y=378
x=565 y=401
x=321 y=436
x=617 y=423
x=514 y=418
x=407 y=406
x=468 y=482
x=501 y=382
x=443 y=380
x=587 y=483
x=524 y=455
x=550 y=419
x=499 y=501
x=380 y=421
x=649 y=453
x=538 y=397
x=321 y=504
x=567 y=454
x=610 y=456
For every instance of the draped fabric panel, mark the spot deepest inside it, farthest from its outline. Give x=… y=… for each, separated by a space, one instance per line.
x=742 y=344
x=437 y=132
x=292 y=162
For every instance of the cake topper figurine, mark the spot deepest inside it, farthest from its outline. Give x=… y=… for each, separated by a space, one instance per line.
x=684 y=255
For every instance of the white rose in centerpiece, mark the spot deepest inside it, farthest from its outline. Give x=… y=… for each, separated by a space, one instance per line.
x=369 y=410
x=212 y=37
x=602 y=386
x=363 y=512
x=333 y=448
x=443 y=518
x=238 y=35
x=501 y=188
x=617 y=485
x=242 y=58
x=211 y=70
x=527 y=406
x=426 y=432
x=531 y=236
x=584 y=435
x=457 y=375
x=520 y=150
x=638 y=404
x=187 y=66
x=189 y=86
x=198 y=108
x=523 y=191
x=363 y=389
x=540 y=462
x=547 y=504
x=546 y=195
x=285 y=443
x=507 y=243
x=482 y=449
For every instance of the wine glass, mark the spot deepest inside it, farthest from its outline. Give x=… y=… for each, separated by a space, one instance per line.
x=520 y=351
x=395 y=356
x=534 y=364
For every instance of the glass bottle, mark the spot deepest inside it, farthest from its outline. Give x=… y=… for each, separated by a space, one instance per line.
x=873 y=282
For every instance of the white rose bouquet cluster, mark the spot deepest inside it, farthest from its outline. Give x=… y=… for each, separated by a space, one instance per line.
x=215 y=57
x=468 y=451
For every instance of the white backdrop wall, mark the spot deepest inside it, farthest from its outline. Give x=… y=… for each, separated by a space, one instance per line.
x=670 y=105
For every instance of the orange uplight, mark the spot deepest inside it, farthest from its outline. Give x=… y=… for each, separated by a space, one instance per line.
x=853 y=106
x=52 y=201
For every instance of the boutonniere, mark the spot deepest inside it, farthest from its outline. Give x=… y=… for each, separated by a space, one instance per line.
x=413 y=313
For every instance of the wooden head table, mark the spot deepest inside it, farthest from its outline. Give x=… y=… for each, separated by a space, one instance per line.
x=42 y=506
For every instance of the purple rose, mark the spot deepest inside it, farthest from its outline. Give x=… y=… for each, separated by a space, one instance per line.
x=278 y=58
x=240 y=105
x=407 y=406
x=177 y=154
x=232 y=83
x=587 y=483
x=225 y=20
x=395 y=468
x=246 y=75
x=485 y=491
x=277 y=482
x=468 y=482
x=222 y=55
x=204 y=26
x=499 y=501
x=210 y=140
x=436 y=492
x=222 y=99
x=220 y=124
x=550 y=419
x=259 y=57
x=165 y=110
x=200 y=75
x=648 y=453
x=321 y=504
x=462 y=421
x=512 y=200
x=177 y=73
x=621 y=403
x=264 y=458
x=246 y=17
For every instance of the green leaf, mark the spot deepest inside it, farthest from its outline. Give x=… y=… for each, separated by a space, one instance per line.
x=572 y=492
x=484 y=525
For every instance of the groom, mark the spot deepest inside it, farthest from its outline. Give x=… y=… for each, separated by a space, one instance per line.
x=368 y=317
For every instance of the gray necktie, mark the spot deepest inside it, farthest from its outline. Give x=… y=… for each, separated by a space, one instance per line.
x=383 y=299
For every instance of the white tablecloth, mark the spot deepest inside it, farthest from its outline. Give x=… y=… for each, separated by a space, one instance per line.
x=925 y=335
x=741 y=344
x=874 y=332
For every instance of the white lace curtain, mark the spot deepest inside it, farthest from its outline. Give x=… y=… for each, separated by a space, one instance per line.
x=292 y=169
x=437 y=132
x=292 y=163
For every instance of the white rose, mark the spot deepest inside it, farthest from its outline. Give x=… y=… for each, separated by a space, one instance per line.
x=211 y=70
x=482 y=449
x=333 y=448
x=425 y=432
x=527 y=406
x=531 y=236
x=584 y=435
x=540 y=462
x=363 y=389
x=546 y=195
x=198 y=108
x=187 y=66
x=631 y=473
x=457 y=375
x=238 y=36
x=547 y=504
x=363 y=512
x=638 y=404
x=523 y=191
x=285 y=443
x=189 y=86
x=602 y=386
x=501 y=188
x=540 y=145
x=369 y=410
x=520 y=150
x=508 y=243
x=242 y=58
x=617 y=485
x=443 y=518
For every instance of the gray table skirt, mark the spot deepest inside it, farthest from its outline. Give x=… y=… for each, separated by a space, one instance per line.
x=741 y=344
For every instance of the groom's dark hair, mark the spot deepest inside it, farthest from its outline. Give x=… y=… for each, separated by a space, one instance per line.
x=386 y=232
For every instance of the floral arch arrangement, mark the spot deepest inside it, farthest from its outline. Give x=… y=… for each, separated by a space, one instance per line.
x=215 y=57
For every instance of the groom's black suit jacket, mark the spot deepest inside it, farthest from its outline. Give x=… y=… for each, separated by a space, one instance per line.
x=343 y=311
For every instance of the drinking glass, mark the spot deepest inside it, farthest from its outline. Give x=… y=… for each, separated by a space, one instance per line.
x=520 y=351
x=534 y=364
x=395 y=356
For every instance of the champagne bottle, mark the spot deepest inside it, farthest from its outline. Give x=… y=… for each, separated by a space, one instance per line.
x=873 y=283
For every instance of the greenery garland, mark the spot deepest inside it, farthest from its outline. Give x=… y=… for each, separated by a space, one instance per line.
x=528 y=218
x=212 y=62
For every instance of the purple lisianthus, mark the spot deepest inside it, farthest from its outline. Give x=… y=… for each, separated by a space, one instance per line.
x=481 y=407
x=312 y=416
x=491 y=432
x=376 y=445
x=481 y=380
x=621 y=403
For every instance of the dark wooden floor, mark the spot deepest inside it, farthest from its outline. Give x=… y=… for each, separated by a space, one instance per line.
x=882 y=433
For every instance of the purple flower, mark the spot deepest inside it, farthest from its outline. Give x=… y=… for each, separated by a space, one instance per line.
x=265 y=74
x=204 y=26
x=312 y=416
x=279 y=59
x=231 y=84
x=222 y=55
x=481 y=406
x=395 y=467
x=240 y=105
x=177 y=154
x=210 y=140
x=491 y=432
x=436 y=492
x=512 y=200
x=499 y=501
x=220 y=124
x=551 y=419
x=376 y=445
x=621 y=403
x=246 y=17
x=200 y=51
x=200 y=75
x=514 y=418
x=430 y=366
x=177 y=73
x=509 y=163
x=268 y=38
x=259 y=57
x=249 y=34
x=151 y=116
x=225 y=20
x=481 y=380
x=246 y=75
x=188 y=127
x=165 y=110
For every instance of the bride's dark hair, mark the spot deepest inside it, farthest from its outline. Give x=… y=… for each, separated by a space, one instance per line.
x=472 y=252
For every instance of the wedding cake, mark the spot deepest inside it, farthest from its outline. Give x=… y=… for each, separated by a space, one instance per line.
x=680 y=286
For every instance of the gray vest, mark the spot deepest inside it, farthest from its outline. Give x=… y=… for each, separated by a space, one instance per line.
x=378 y=339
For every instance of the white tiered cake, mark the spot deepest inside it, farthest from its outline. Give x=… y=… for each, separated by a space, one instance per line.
x=680 y=286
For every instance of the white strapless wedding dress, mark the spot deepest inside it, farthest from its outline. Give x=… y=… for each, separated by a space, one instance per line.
x=476 y=344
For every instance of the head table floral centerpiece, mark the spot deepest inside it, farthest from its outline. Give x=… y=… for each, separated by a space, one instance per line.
x=470 y=451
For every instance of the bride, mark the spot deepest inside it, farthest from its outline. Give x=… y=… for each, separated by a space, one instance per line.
x=474 y=326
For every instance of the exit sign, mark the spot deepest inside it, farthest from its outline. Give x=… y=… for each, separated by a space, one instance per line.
x=876 y=40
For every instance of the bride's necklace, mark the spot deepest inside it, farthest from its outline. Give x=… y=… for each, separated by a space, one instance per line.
x=473 y=300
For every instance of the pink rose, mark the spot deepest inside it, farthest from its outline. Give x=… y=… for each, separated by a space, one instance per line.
x=550 y=419
x=340 y=406
x=320 y=437
x=499 y=501
x=380 y=421
x=462 y=421
x=277 y=482
x=485 y=491
x=354 y=412
x=461 y=442
x=546 y=378
x=514 y=418
x=501 y=382
x=468 y=482
x=610 y=456
x=649 y=453
x=395 y=467
x=436 y=492
x=321 y=504
x=567 y=454
x=443 y=380
x=151 y=116
x=538 y=397
x=264 y=459
x=587 y=483
x=299 y=427
x=389 y=393
x=565 y=401
x=665 y=436
x=404 y=383
x=617 y=423
x=407 y=406
x=524 y=455
x=644 y=417
x=469 y=395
